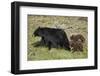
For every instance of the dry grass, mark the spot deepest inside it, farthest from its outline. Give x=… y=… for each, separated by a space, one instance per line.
x=70 y=24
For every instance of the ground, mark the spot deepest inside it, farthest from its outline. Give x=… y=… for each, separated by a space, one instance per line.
x=70 y=24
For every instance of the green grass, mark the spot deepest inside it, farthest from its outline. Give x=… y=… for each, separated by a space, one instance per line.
x=79 y=26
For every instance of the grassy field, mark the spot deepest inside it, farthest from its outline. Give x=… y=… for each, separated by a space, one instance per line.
x=70 y=24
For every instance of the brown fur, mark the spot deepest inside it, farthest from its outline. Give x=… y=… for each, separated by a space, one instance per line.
x=78 y=37
x=76 y=43
x=76 y=46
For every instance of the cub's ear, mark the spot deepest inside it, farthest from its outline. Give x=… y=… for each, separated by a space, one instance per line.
x=72 y=37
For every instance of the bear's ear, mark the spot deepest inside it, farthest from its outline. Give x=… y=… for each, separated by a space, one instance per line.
x=38 y=27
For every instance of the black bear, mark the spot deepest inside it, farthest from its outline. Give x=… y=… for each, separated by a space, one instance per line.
x=52 y=37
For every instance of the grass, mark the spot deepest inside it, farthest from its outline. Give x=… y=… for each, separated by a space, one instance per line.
x=70 y=24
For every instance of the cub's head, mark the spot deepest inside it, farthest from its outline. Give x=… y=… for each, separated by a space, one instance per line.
x=77 y=37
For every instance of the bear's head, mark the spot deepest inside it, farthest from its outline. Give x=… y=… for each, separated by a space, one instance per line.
x=37 y=32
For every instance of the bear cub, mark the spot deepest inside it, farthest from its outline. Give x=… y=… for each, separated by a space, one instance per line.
x=76 y=43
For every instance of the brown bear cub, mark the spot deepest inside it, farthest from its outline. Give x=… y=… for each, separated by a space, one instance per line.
x=76 y=43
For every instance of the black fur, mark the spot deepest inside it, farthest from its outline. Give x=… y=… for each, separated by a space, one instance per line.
x=52 y=37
